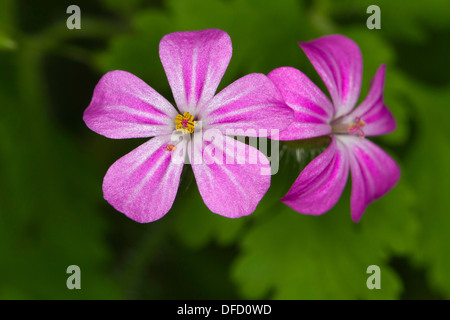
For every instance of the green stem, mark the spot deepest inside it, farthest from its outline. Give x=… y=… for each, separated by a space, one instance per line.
x=135 y=267
x=312 y=143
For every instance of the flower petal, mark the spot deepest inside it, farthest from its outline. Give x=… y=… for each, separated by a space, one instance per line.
x=338 y=61
x=252 y=104
x=195 y=62
x=374 y=173
x=313 y=110
x=320 y=184
x=143 y=183
x=232 y=177
x=123 y=106
x=379 y=120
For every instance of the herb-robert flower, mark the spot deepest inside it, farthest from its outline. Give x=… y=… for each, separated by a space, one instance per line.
x=143 y=184
x=338 y=61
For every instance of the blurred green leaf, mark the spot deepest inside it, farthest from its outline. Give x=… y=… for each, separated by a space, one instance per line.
x=138 y=52
x=428 y=170
x=292 y=256
x=287 y=255
x=399 y=20
x=48 y=218
x=7 y=43
x=122 y=7
x=195 y=225
x=256 y=44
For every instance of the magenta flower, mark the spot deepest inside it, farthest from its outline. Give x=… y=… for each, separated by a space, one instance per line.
x=143 y=184
x=338 y=61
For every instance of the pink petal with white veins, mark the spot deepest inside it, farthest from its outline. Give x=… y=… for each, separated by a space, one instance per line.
x=338 y=61
x=233 y=178
x=374 y=173
x=313 y=110
x=143 y=184
x=195 y=62
x=320 y=184
x=123 y=106
x=377 y=117
x=250 y=103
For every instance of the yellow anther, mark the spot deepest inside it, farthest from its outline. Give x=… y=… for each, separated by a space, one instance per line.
x=356 y=127
x=170 y=147
x=185 y=123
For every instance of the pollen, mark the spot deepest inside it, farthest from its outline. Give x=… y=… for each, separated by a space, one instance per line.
x=356 y=127
x=185 y=123
x=170 y=147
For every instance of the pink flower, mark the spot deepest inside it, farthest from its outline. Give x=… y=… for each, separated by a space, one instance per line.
x=338 y=61
x=143 y=184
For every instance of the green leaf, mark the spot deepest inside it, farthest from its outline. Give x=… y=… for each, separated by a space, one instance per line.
x=428 y=170
x=195 y=225
x=49 y=215
x=399 y=20
x=293 y=256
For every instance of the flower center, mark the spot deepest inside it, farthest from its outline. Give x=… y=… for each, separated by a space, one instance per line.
x=185 y=123
x=354 y=127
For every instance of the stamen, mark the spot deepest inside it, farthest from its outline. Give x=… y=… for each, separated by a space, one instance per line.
x=185 y=123
x=356 y=127
x=171 y=147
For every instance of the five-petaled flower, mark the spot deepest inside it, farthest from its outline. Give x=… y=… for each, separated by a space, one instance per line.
x=143 y=184
x=338 y=62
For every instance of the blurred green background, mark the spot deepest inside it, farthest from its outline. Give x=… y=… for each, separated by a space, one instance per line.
x=52 y=213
